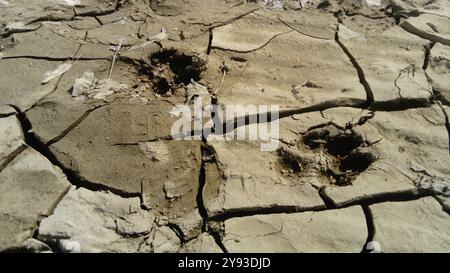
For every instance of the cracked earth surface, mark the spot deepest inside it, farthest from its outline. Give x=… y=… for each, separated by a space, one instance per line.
x=88 y=163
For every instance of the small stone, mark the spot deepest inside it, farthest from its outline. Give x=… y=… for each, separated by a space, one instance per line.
x=173 y=191
x=135 y=224
x=146 y=204
x=190 y=224
x=156 y=151
x=165 y=241
x=373 y=247
x=11 y=136
x=204 y=243
x=68 y=246
x=162 y=221
x=310 y=84
x=35 y=246
x=82 y=85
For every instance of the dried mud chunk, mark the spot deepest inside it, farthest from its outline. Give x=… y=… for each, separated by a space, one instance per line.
x=204 y=243
x=30 y=186
x=101 y=8
x=403 y=78
x=11 y=136
x=96 y=222
x=119 y=33
x=413 y=226
x=84 y=23
x=280 y=59
x=173 y=191
x=156 y=151
x=24 y=89
x=326 y=231
x=34 y=246
x=165 y=241
x=246 y=179
x=107 y=149
x=190 y=224
x=439 y=71
x=430 y=27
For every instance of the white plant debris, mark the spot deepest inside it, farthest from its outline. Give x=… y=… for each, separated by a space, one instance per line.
x=70 y=3
x=97 y=89
x=156 y=151
x=60 y=70
x=82 y=85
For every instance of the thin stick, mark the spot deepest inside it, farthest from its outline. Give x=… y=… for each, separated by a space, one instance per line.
x=224 y=70
x=114 y=59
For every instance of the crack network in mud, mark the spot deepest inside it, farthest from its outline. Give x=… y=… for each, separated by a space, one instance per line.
x=171 y=70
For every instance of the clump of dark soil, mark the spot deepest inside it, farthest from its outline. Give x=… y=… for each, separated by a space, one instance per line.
x=172 y=69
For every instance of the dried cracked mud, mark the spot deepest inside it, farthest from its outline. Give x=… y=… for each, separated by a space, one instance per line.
x=88 y=162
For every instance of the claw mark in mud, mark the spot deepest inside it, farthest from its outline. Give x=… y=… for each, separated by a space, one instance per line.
x=73 y=177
